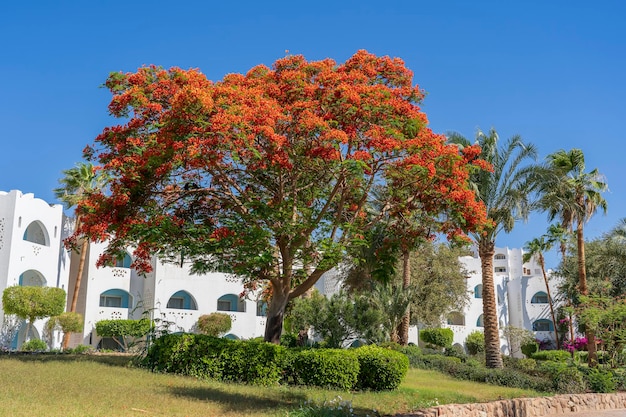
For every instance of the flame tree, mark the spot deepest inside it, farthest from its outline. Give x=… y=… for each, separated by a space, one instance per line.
x=267 y=175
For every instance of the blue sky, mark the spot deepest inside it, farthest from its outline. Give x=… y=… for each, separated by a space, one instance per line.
x=550 y=71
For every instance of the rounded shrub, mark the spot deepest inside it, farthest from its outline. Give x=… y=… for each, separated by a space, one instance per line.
x=437 y=337
x=328 y=368
x=381 y=369
x=475 y=342
x=600 y=380
x=35 y=345
x=530 y=348
x=214 y=324
x=252 y=362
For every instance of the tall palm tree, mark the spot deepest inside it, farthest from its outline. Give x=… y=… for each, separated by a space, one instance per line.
x=505 y=194
x=535 y=249
x=76 y=184
x=568 y=192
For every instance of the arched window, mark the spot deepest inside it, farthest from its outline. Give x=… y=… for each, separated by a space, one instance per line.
x=231 y=336
x=499 y=256
x=115 y=298
x=261 y=308
x=478 y=291
x=539 y=298
x=32 y=278
x=479 y=322
x=543 y=325
x=182 y=300
x=124 y=262
x=231 y=302
x=456 y=319
x=36 y=233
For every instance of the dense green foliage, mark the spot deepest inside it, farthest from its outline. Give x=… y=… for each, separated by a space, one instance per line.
x=33 y=303
x=441 y=337
x=260 y=363
x=552 y=355
x=330 y=368
x=35 y=345
x=214 y=324
x=475 y=342
x=381 y=369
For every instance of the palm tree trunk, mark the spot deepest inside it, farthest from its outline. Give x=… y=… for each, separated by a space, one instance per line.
x=403 y=336
x=493 y=357
x=545 y=279
x=592 y=359
x=79 y=276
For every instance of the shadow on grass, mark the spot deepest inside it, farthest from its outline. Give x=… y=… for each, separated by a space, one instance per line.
x=241 y=403
x=121 y=360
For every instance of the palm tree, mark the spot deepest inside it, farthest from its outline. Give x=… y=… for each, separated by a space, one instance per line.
x=568 y=192
x=76 y=184
x=505 y=194
x=535 y=249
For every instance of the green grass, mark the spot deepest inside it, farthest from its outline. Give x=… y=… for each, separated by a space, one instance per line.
x=86 y=385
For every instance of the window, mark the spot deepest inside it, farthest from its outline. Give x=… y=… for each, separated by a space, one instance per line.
x=456 y=319
x=123 y=262
x=176 y=302
x=479 y=322
x=500 y=269
x=499 y=256
x=32 y=278
x=526 y=272
x=116 y=299
x=110 y=301
x=543 y=325
x=261 y=308
x=36 y=233
x=539 y=298
x=478 y=291
x=182 y=300
x=231 y=302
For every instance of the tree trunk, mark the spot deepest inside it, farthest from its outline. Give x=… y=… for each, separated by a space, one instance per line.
x=592 y=359
x=493 y=357
x=79 y=277
x=276 y=315
x=545 y=279
x=403 y=334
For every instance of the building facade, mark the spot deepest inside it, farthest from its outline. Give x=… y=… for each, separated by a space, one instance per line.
x=32 y=253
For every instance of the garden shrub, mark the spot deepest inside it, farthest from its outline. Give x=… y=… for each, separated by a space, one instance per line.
x=35 y=345
x=437 y=337
x=252 y=362
x=552 y=355
x=411 y=352
x=80 y=349
x=600 y=380
x=381 y=369
x=475 y=342
x=214 y=324
x=530 y=348
x=327 y=368
x=570 y=381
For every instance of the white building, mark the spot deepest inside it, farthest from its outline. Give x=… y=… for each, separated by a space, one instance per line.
x=521 y=297
x=32 y=253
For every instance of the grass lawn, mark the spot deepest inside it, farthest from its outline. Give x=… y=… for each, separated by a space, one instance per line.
x=94 y=385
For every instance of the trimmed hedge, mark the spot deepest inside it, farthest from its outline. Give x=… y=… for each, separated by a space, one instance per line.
x=260 y=363
x=437 y=337
x=381 y=369
x=552 y=355
x=328 y=368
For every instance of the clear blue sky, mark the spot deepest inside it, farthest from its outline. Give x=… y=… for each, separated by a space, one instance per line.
x=552 y=71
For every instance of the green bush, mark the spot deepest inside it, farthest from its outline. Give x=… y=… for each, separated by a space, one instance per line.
x=124 y=332
x=79 y=349
x=214 y=324
x=437 y=337
x=414 y=353
x=526 y=365
x=252 y=362
x=475 y=342
x=381 y=369
x=570 y=381
x=600 y=380
x=552 y=355
x=34 y=345
x=530 y=348
x=328 y=368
